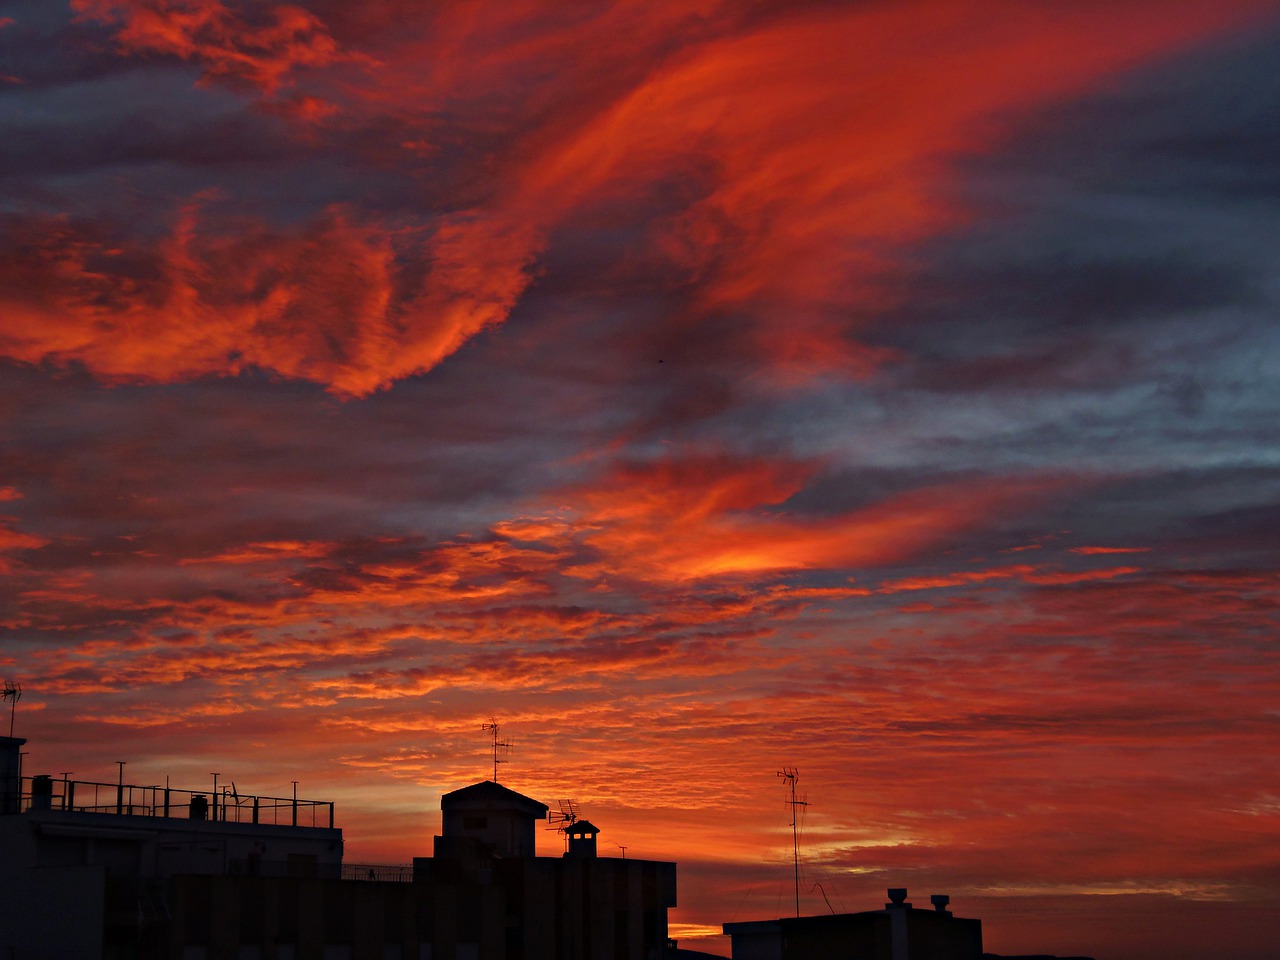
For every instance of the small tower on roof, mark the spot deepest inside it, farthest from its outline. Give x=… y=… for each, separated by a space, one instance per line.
x=489 y=820
x=582 y=839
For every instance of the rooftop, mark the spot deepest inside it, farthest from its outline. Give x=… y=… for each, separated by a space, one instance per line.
x=489 y=791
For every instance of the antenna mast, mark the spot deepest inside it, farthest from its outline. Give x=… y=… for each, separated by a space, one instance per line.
x=13 y=692
x=790 y=775
x=498 y=745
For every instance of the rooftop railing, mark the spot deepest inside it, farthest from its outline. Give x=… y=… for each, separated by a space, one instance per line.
x=226 y=806
x=385 y=872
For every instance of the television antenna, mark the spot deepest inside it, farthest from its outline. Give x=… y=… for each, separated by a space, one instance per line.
x=12 y=692
x=564 y=820
x=791 y=775
x=499 y=746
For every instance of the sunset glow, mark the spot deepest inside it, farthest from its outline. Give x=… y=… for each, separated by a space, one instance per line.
x=881 y=389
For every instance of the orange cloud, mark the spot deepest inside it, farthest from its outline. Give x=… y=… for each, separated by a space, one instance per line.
x=269 y=552
x=695 y=517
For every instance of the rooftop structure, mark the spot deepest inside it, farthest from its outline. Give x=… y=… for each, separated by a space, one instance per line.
x=898 y=932
x=487 y=818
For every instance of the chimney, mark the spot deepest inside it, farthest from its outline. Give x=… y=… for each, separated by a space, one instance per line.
x=899 y=930
x=940 y=901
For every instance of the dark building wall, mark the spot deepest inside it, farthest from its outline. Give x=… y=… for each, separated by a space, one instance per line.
x=519 y=909
x=598 y=909
x=937 y=936
x=896 y=933
x=47 y=912
x=10 y=773
x=864 y=936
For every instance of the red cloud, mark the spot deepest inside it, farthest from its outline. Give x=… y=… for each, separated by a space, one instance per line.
x=11 y=540
x=821 y=155
x=1023 y=572
x=1089 y=551
x=259 y=46
x=326 y=301
x=808 y=149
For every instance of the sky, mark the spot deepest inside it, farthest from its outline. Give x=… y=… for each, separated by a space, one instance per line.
x=699 y=389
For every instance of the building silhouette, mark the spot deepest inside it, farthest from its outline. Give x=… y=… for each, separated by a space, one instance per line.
x=575 y=907
x=94 y=870
x=898 y=932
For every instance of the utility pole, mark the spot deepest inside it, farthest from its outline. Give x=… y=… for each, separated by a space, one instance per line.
x=790 y=775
